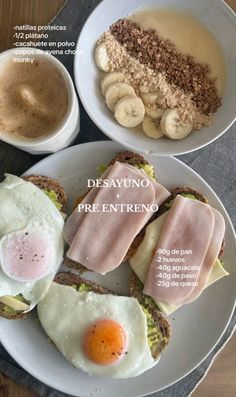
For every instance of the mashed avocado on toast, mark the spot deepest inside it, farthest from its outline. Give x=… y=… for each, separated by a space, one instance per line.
x=136 y=288
x=148 y=169
x=7 y=311
x=158 y=331
x=102 y=168
x=82 y=287
x=52 y=188
x=53 y=197
x=156 y=338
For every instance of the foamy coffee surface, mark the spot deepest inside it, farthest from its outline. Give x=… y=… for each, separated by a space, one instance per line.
x=33 y=98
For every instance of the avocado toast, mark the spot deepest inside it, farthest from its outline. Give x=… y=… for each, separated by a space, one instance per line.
x=52 y=188
x=158 y=327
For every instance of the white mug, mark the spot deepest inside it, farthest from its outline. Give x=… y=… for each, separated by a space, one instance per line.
x=68 y=129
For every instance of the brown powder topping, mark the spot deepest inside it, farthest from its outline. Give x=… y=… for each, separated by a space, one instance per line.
x=162 y=57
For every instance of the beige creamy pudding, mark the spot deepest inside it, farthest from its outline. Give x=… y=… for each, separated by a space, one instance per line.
x=189 y=36
x=33 y=99
x=164 y=71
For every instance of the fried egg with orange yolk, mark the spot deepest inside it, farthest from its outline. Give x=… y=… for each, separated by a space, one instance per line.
x=103 y=335
x=31 y=240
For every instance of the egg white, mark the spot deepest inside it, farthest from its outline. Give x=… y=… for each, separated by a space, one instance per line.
x=23 y=206
x=65 y=314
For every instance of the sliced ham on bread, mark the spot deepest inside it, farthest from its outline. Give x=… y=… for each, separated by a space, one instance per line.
x=114 y=235
x=185 y=221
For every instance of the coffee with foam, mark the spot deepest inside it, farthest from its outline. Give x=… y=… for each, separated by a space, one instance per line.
x=33 y=99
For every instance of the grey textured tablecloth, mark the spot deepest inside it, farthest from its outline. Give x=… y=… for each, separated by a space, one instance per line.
x=215 y=163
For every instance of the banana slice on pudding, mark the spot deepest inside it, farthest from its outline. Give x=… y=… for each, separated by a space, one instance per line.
x=173 y=127
x=129 y=111
x=152 y=127
x=149 y=98
x=155 y=114
x=117 y=91
x=111 y=78
x=102 y=58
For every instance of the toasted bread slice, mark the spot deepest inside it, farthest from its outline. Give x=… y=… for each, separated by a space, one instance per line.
x=136 y=291
x=68 y=278
x=47 y=183
x=129 y=158
x=135 y=285
x=74 y=265
x=79 y=200
x=158 y=326
x=135 y=243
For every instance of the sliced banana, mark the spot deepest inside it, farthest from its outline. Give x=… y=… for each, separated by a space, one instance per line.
x=152 y=128
x=155 y=114
x=115 y=92
x=14 y=303
x=102 y=58
x=129 y=111
x=111 y=78
x=173 y=127
x=149 y=99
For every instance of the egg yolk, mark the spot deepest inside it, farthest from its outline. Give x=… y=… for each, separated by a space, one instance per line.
x=105 y=342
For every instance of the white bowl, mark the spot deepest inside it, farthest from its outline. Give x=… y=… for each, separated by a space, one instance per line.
x=219 y=19
x=68 y=129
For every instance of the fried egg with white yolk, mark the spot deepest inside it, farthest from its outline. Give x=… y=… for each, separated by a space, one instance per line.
x=103 y=335
x=31 y=240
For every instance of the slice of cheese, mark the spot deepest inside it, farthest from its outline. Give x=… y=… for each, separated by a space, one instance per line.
x=14 y=303
x=143 y=256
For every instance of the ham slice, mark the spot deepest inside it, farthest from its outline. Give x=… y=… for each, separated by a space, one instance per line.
x=74 y=220
x=189 y=227
x=102 y=239
x=211 y=256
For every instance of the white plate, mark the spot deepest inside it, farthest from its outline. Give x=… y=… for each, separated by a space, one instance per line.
x=219 y=19
x=196 y=328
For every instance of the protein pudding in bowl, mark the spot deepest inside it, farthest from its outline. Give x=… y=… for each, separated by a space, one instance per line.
x=164 y=71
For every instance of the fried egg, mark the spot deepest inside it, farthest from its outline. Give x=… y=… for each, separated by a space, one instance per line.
x=103 y=335
x=31 y=241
